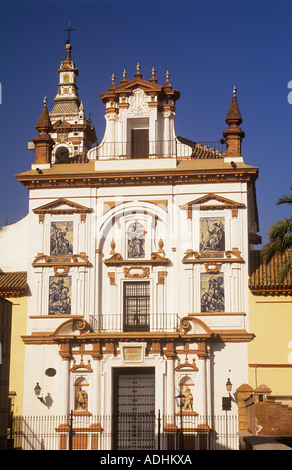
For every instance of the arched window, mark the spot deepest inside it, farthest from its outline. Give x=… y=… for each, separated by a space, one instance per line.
x=62 y=155
x=136 y=241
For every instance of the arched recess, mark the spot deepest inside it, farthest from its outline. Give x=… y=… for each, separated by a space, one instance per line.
x=62 y=153
x=132 y=210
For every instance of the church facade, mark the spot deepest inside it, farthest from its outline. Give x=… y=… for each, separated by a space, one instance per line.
x=137 y=258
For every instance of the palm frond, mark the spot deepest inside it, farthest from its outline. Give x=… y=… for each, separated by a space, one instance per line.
x=287 y=199
x=280 y=239
x=285 y=269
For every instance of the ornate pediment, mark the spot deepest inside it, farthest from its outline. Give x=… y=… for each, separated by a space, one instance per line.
x=61 y=125
x=131 y=85
x=150 y=87
x=156 y=260
x=60 y=264
x=213 y=259
x=213 y=202
x=62 y=206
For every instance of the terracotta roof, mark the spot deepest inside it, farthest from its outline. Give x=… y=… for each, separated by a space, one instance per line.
x=200 y=150
x=65 y=107
x=264 y=277
x=13 y=284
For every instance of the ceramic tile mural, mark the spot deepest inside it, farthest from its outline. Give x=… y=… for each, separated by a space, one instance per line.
x=212 y=292
x=136 y=241
x=59 y=295
x=212 y=234
x=61 y=238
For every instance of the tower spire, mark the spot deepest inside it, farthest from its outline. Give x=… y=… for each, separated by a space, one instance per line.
x=43 y=142
x=233 y=135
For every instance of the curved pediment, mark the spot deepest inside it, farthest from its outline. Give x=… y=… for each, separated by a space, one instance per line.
x=194 y=326
x=74 y=326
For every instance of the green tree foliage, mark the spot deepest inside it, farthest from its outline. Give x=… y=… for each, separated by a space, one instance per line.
x=280 y=240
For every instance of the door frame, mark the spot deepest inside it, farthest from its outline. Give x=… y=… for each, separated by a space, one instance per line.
x=116 y=372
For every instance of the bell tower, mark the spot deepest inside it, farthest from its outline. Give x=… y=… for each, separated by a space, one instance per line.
x=66 y=101
x=72 y=132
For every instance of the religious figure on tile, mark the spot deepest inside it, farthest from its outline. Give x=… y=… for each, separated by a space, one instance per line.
x=61 y=238
x=59 y=295
x=212 y=234
x=136 y=241
x=212 y=293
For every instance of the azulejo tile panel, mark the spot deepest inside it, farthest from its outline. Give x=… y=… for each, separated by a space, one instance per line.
x=59 y=295
x=61 y=238
x=212 y=234
x=212 y=292
x=136 y=241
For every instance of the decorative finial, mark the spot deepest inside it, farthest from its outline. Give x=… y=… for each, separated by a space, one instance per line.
x=124 y=75
x=234 y=91
x=153 y=78
x=45 y=102
x=138 y=67
x=167 y=76
x=113 y=79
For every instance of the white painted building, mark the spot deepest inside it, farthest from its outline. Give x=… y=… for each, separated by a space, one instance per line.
x=137 y=259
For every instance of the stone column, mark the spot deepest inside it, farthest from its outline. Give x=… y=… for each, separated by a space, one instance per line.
x=96 y=387
x=167 y=144
x=170 y=387
x=65 y=384
x=202 y=356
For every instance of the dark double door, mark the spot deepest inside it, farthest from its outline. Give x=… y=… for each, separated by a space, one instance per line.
x=140 y=143
x=134 y=408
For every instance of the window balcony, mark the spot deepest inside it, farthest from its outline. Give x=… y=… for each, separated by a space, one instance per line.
x=117 y=323
x=176 y=148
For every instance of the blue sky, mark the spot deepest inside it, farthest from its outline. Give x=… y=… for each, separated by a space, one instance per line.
x=208 y=46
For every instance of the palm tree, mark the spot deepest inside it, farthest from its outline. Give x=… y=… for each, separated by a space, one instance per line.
x=280 y=240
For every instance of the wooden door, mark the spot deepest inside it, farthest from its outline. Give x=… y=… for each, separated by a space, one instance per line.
x=140 y=143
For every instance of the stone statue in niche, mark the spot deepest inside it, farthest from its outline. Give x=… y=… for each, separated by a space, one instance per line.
x=212 y=234
x=136 y=241
x=59 y=295
x=61 y=241
x=187 y=400
x=81 y=400
x=212 y=292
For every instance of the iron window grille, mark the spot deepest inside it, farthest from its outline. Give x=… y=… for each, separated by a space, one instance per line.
x=136 y=306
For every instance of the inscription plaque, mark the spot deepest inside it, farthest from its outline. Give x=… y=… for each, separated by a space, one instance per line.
x=132 y=354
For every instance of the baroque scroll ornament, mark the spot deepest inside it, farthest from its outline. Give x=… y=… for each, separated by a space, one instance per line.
x=138 y=102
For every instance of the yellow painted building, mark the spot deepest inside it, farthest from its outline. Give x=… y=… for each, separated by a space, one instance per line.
x=13 y=286
x=270 y=305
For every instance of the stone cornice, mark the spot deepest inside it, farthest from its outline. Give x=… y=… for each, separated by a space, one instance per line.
x=86 y=336
x=78 y=176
